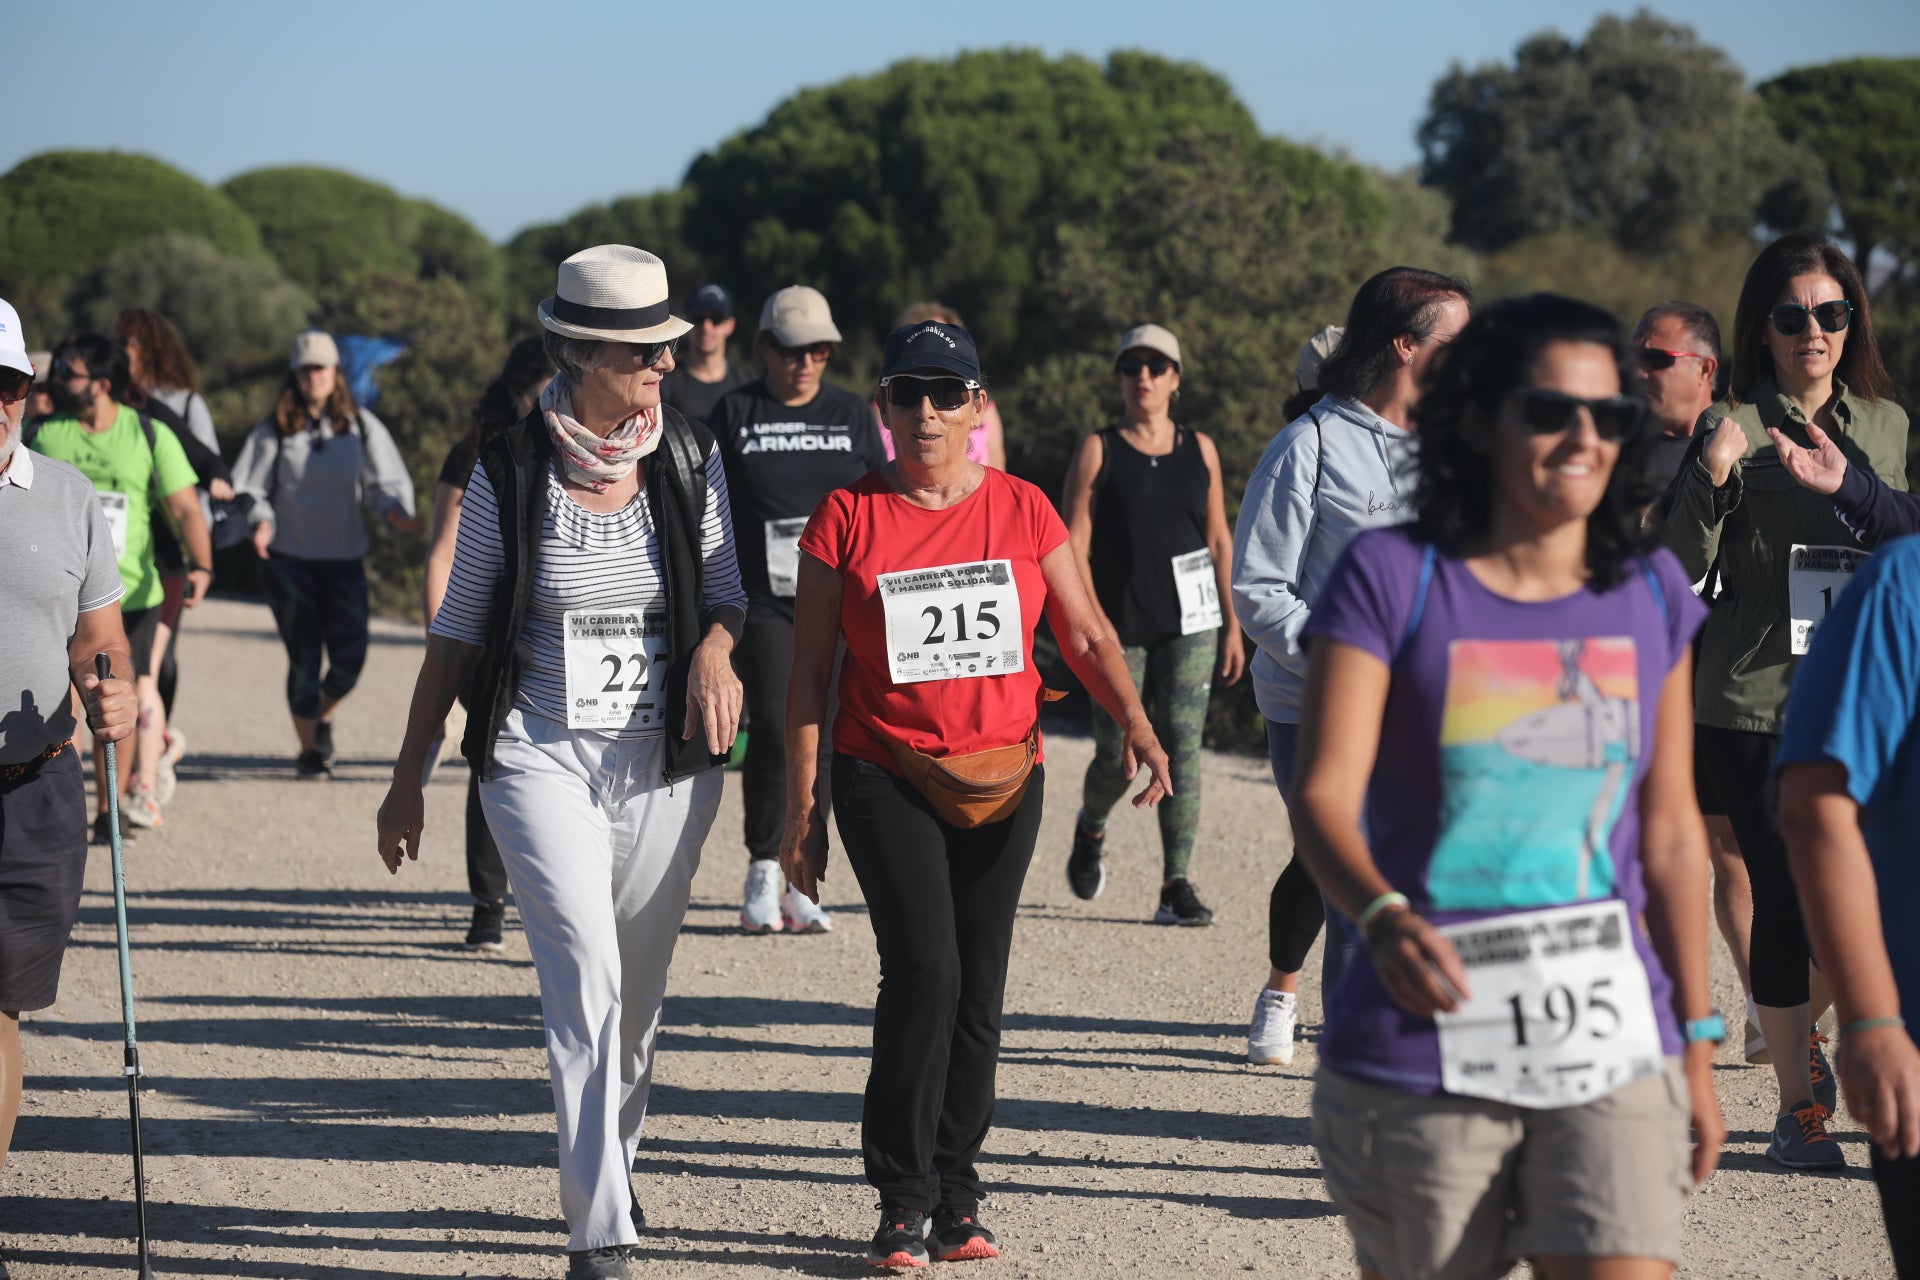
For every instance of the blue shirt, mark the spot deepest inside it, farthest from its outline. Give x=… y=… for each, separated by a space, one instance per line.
x=1856 y=702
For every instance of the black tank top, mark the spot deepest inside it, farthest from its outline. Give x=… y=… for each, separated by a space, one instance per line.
x=1146 y=511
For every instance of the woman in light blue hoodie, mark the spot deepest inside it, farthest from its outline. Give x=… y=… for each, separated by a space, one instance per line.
x=1342 y=465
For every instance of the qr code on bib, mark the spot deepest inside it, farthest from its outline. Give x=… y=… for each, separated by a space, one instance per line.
x=1010 y=658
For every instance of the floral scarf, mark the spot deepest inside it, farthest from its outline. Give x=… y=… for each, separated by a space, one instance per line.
x=596 y=462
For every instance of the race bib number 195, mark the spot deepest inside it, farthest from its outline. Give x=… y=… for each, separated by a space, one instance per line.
x=616 y=668
x=955 y=621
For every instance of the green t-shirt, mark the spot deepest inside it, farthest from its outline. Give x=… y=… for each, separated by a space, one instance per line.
x=121 y=467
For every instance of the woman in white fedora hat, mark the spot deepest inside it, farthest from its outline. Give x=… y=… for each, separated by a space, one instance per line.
x=593 y=604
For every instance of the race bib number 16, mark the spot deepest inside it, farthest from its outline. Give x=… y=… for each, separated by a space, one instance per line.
x=953 y=622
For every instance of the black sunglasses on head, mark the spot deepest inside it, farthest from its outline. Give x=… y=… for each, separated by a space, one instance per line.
x=904 y=391
x=1544 y=412
x=14 y=386
x=1130 y=366
x=1790 y=318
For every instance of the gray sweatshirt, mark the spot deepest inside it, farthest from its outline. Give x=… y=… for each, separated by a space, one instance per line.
x=1289 y=535
x=323 y=481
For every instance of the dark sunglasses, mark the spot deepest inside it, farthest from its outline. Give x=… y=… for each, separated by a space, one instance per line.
x=1130 y=366
x=1790 y=318
x=650 y=352
x=712 y=318
x=1654 y=359
x=67 y=373
x=821 y=351
x=947 y=394
x=1546 y=412
x=14 y=386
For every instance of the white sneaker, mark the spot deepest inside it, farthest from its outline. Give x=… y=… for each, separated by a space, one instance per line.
x=802 y=914
x=760 y=912
x=1270 y=1038
x=1756 y=1042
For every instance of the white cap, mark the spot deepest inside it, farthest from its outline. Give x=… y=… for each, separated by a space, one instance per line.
x=315 y=346
x=13 y=342
x=1153 y=338
x=1306 y=370
x=798 y=316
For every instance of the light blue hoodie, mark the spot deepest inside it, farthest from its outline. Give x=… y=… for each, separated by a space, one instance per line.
x=1291 y=530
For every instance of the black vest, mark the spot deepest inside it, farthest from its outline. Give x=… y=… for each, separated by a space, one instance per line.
x=516 y=464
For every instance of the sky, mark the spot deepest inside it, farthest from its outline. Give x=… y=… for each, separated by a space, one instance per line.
x=515 y=114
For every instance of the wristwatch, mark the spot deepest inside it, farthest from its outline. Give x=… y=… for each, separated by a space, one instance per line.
x=1712 y=1027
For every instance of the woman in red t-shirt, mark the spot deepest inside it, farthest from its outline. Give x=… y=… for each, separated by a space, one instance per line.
x=934 y=569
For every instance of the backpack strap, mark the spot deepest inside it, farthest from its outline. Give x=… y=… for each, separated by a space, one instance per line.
x=1319 y=457
x=1653 y=585
x=1427 y=560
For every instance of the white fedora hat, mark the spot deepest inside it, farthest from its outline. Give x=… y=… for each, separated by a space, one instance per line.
x=612 y=293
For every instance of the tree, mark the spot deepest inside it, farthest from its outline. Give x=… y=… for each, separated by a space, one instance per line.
x=323 y=225
x=1640 y=133
x=1862 y=118
x=650 y=222
x=62 y=213
x=236 y=314
x=938 y=179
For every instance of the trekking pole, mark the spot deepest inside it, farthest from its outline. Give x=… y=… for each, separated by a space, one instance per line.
x=103 y=668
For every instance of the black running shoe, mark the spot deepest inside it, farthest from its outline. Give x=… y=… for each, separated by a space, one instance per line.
x=103 y=831
x=901 y=1240
x=311 y=764
x=609 y=1263
x=959 y=1237
x=323 y=739
x=1086 y=869
x=487 y=933
x=1179 y=904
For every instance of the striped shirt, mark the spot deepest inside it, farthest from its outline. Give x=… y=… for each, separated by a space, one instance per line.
x=584 y=560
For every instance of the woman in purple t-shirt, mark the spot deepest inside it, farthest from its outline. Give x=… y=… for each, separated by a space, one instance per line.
x=1514 y=1071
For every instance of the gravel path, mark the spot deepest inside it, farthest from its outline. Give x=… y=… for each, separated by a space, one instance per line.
x=335 y=1088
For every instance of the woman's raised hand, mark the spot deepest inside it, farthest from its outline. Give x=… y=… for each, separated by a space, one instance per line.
x=1820 y=468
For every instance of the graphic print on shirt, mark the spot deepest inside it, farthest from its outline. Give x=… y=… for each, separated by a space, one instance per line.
x=1537 y=750
x=793 y=437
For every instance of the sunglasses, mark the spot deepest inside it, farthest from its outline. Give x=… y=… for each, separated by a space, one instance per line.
x=821 y=351
x=1546 y=412
x=713 y=318
x=67 y=373
x=1790 y=318
x=14 y=386
x=947 y=394
x=650 y=352
x=1654 y=359
x=1130 y=366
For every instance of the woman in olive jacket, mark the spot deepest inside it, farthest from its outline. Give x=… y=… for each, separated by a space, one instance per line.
x=1803 y=354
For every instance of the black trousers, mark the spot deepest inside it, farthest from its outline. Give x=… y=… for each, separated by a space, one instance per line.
x=1740 y=766
x=1295 y=913
x=766 y=666
x=1899 y=1183
x=486 y=874
x=942 y=901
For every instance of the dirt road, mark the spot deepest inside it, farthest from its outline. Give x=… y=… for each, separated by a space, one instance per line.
x=335 y=1088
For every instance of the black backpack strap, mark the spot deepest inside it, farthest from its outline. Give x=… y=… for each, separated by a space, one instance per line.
x=1319 y=456
x=685 y=459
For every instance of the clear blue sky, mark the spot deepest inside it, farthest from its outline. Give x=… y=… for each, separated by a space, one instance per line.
x=513 y=114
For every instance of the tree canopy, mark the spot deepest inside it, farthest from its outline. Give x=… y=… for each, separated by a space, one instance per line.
x=1639 y=132
x=1862 y=118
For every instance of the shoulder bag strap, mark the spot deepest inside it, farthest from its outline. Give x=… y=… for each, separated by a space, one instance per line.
x=1427 y=558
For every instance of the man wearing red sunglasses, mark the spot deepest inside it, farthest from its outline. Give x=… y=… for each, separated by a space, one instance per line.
x=1676 y=347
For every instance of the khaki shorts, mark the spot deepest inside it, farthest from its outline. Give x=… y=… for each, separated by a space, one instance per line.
x=1452 y=1188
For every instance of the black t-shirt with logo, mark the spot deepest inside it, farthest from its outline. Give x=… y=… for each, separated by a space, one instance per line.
x=781 y=462
x=696 y=399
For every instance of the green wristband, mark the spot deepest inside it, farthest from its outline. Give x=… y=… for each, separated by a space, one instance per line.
x=1872 y=1024
x=1374 y=908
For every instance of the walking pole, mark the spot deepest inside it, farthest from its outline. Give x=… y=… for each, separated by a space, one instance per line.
x=103 y=668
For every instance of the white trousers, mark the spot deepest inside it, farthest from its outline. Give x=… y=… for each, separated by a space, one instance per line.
x=601 y=853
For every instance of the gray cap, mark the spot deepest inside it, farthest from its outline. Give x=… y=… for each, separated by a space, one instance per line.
x=314 y=346
x=1314 y=354
x=1153 y=338
x=798 y=316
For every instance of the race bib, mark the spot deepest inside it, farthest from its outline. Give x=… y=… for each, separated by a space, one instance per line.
x=1199 y=591
x=616 y=668
x=783 y=555
x=954 y=622
x=1815 y=578
x=115 y=505
x=1561 y=1012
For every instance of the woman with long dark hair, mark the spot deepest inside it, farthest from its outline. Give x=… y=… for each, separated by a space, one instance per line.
x=1804 y=358
x=310 y=468
x=1496 y=787
x=507 y=399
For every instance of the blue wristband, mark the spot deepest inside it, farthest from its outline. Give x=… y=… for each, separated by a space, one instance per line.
x=1713 y=1027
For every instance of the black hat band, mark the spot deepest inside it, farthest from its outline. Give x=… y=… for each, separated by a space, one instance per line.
x=611 y=317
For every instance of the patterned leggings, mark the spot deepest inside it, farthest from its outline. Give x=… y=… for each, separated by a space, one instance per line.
x=1174 y=677
x=319 y=604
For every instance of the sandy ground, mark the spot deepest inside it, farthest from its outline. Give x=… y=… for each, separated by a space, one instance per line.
x=335 y=1088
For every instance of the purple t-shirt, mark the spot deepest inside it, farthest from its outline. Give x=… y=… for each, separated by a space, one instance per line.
x=1512 y=747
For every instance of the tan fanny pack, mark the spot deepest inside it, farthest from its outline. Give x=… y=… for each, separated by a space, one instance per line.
x=979 y=787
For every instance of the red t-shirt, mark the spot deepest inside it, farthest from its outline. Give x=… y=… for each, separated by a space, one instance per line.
x=865 y=530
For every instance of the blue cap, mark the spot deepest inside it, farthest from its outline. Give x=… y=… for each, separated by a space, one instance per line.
x=931 y=347
x=709 y=299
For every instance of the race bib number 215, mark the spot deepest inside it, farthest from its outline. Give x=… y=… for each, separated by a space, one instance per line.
x=953 y=622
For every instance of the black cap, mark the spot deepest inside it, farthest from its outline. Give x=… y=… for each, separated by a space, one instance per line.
x=931 y=347
x=709 y=299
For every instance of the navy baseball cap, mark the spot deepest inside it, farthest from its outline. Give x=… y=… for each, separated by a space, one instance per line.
x=709 y=299
x=931 y=347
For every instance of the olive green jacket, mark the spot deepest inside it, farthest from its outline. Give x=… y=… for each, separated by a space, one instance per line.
x=1746 y=526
